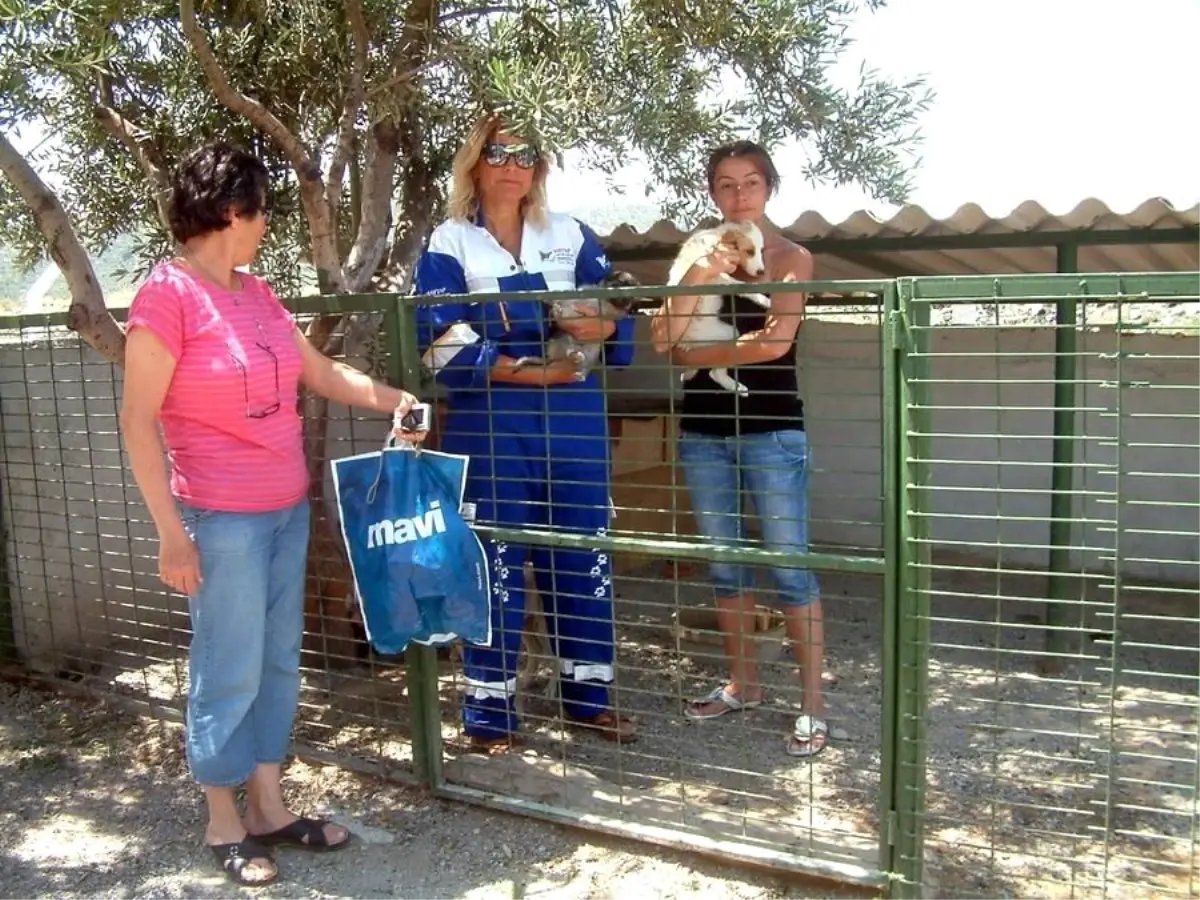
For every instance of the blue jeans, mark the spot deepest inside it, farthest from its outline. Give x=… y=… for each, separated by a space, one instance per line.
x=247 y=626
x=773 y=469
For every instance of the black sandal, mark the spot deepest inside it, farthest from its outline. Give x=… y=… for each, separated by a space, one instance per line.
x=308 y=834
x=234 y=858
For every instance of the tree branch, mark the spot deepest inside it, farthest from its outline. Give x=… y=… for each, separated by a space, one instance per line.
x=321 y=227
x=136 y=141
x=477 y=11
x=401 y=77
x=355 y=97
x=416 y=38
x=87 y=316
x=370 y=243
x=261 y=117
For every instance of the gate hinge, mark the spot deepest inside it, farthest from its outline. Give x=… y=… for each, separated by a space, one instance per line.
x=897 y=336
x=891 y=828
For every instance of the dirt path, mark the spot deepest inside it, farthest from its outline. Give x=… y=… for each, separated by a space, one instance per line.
x=95 y=803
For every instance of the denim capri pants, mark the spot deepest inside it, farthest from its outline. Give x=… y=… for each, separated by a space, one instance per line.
x=772 y=468
x=247 y=627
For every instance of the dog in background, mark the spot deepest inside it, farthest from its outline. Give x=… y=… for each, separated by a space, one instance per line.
x=562 y=346
x=705 y=327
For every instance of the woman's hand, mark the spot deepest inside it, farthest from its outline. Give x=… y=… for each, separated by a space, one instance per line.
x=709 y=269
x=507 y=371
x=670 y=321
x=589 y=328
x=179 y=562
x=403 y=407
x=561 y=371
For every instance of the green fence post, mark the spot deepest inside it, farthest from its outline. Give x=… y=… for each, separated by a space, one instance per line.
x=420 y=661
x=1066 y=316
x=890 y=351
x=912 y=615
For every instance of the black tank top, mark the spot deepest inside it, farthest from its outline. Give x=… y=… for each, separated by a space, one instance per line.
x=773 y=402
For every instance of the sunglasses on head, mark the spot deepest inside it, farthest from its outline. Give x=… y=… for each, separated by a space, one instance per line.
x=523 y=155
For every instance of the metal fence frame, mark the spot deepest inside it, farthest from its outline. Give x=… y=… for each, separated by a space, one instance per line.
x=904 y=562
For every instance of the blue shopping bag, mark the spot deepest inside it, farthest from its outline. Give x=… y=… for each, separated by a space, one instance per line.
x=420 y=571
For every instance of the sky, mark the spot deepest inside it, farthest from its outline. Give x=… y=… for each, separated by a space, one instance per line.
x=1047 y=100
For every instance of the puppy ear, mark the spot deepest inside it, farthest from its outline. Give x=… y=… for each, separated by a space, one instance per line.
x=731 y=235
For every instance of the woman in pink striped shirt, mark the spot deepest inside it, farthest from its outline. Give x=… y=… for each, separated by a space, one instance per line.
x=213 y=356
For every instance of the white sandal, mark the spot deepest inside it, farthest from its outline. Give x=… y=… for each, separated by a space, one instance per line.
x=729 y=703
x=804 y=735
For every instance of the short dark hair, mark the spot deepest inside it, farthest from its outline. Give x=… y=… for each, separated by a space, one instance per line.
x=744 y=150
x=212 y=182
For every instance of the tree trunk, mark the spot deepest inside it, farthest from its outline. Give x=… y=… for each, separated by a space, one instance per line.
x=421 y=203
x=334 y=637
x=87 y=315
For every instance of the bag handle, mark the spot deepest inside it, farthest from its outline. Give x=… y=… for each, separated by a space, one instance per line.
x=389 y=443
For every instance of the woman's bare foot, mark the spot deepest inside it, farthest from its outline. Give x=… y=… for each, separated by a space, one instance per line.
x=724 y=700
x=241 y=858
x=285 y=827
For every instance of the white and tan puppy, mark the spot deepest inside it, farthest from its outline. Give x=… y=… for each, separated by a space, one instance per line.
x=705 y=327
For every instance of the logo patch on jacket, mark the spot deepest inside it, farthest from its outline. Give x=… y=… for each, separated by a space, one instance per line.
x=558 y=256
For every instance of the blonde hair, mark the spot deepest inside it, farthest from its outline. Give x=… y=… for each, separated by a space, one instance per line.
x=463 y=198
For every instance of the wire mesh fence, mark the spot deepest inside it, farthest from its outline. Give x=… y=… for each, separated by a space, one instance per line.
x=1059 y=591
x=726 y=781
x=82 y=598
x=1009 y=665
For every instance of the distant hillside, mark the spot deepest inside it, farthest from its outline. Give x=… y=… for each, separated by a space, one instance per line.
x=114 y=268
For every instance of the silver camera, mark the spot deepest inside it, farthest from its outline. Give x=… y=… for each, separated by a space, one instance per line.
x=418 y=418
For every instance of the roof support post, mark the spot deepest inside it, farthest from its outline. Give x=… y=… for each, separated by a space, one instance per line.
x=1060 y=592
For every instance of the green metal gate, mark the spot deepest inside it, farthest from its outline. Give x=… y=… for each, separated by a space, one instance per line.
x=930 y=578
x=711 y=807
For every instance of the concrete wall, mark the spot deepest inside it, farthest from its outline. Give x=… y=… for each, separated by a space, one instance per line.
x=82 y=553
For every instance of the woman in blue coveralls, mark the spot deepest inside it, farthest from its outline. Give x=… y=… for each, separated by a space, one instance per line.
x=537 y=437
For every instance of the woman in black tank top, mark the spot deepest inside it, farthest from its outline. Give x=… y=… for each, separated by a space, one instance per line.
x=751 y=442
x=773 y=401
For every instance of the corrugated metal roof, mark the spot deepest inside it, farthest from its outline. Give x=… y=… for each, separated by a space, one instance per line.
x=968 y=242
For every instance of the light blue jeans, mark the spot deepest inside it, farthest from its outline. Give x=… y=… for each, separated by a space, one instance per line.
x=773 y=469
x=247 y=626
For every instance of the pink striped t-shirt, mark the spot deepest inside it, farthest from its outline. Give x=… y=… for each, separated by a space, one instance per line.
x=230 y=418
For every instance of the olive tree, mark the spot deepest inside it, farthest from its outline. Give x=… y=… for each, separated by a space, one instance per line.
x=358 y=106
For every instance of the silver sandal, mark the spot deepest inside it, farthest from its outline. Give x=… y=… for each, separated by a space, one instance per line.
x=804 y=734
x=729 y=703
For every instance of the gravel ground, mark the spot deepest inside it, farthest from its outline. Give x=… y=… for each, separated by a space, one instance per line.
x=96 y=803
x=1028 y=775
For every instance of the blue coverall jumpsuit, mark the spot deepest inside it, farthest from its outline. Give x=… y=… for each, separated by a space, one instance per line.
x=539 y=456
